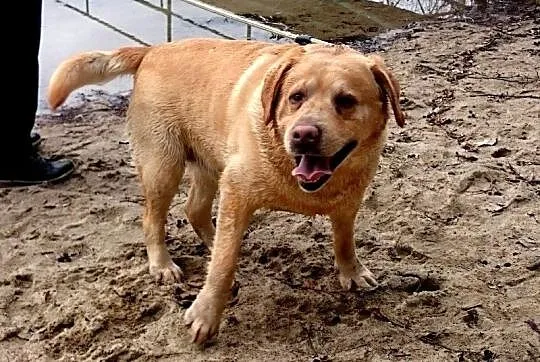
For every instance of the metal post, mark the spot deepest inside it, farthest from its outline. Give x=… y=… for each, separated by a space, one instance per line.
x=248 y=32
x=88 y=6
x=169 y=20
x=421 y=7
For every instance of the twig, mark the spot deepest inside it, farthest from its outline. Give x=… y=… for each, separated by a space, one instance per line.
x=378 y=315
x=431 y=68
x=534 y=266
x=502 y=95
x=522 y=178
x=432 y=338
x=328 y=292
x=338 y=351
x=421 y=8
x=469 y=307
x=531 y=323
x=310 y=340
x=167 y=354
x=511 y=79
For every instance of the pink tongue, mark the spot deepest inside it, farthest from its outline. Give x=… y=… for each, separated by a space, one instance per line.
x=312 y=168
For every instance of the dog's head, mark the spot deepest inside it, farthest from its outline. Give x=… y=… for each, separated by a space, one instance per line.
x=328 y=102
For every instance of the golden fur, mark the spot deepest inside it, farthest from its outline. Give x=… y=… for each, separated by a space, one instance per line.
x=225 y=111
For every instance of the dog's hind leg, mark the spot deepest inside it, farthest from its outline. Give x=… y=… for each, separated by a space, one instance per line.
x=199 y=204
x=161 y=169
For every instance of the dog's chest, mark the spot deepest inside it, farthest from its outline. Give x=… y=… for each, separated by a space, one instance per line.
x=291 y=198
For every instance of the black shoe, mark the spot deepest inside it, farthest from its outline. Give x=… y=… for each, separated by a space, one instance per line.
x=35 y=170
x=35 y=139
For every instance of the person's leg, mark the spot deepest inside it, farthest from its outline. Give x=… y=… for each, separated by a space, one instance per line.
x=26 y=67
x=19 y=161
x=33 y=76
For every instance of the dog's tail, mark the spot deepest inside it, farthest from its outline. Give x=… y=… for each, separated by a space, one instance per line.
x=92 y=68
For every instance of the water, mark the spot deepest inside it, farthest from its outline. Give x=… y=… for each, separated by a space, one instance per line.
x=427 y=7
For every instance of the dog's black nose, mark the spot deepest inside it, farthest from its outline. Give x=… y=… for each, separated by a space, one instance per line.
x=305 y=135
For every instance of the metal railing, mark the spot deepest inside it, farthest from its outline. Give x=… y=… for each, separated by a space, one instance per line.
x=86 y=12
x=252 y=23
x=167 y=10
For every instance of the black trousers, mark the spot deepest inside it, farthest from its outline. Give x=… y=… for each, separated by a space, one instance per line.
x=22 y=90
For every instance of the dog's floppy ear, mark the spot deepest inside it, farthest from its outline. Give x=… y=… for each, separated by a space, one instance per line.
x=389 y=86
x=273 y=82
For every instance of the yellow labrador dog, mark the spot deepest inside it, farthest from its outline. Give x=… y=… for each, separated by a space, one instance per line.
x=285 y=127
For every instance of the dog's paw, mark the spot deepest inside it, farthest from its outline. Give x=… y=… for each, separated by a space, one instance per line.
x=357 y=274
x=203 y=318
x=169 y=273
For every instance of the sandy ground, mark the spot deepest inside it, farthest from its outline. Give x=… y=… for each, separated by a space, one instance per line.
x=450 y=227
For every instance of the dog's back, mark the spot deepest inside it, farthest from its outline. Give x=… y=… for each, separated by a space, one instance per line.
x=196 y=87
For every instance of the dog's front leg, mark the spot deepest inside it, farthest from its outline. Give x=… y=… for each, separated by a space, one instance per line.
x=205 y=313
x=350 y=268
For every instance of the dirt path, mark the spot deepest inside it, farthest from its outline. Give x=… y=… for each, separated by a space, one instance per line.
x=450 y=228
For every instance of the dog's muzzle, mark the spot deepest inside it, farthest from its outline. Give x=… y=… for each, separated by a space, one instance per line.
x=312 y=171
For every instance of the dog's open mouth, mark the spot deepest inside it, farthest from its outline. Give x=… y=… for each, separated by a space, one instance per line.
x=313 y=171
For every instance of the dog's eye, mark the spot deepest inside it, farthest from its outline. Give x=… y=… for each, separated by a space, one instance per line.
x=345 y=102
x=297 y=97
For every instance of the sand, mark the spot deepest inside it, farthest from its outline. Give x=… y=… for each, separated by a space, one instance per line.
x=450 y=226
